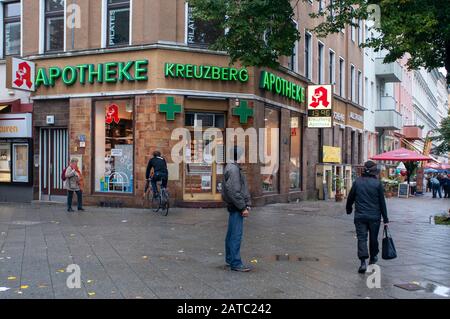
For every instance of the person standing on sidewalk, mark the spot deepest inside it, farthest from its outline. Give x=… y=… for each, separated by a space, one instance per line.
x=367 y=194
x=74 y=185
x=436 y=186
x=236 y=195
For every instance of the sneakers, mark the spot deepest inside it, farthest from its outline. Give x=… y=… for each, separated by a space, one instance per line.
x=70 y=210
x=242 y=269
x=363 y=268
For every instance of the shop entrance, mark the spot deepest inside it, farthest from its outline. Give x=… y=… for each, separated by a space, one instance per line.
x=203 y=174
x=54 y=158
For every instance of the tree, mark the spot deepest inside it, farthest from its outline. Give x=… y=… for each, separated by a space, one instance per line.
x=443 y=137
x=258 y=31
x=420 y=28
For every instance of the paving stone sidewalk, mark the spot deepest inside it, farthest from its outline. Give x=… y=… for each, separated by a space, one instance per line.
x=298 y=250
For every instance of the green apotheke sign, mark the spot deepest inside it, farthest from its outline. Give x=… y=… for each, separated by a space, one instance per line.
x=137 y=71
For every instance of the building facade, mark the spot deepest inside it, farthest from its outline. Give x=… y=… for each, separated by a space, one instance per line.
x=116 y=80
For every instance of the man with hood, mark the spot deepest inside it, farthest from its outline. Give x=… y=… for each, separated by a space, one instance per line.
x=367 y=194
x=236 y=195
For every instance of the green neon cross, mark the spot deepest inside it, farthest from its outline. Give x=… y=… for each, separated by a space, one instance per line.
x=170 y=108
x=243 y=111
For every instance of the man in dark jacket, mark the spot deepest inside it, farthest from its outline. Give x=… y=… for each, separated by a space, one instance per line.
x=236 y=195
x=370 y=205
x=160 y=173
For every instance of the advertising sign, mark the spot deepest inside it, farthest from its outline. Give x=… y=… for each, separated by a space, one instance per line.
x=332 y=154
x=20 y=74
x=320 y=108
x=15 y=125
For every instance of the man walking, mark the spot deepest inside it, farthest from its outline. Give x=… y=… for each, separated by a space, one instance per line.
x=436 y=186
x=370 y=205
x=236 y=195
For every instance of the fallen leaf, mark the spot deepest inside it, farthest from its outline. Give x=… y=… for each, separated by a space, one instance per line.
x=42 y=286
x=144 y=257
x=220 y=254
x=181 y=251
x=61 y=270
x=12 y=278
x=19 y=292
x=90 y=281
x=124 y=221
x=72 y=235
x=254 y=261
x=3 y=289
x=91 y=294
x=24 y=287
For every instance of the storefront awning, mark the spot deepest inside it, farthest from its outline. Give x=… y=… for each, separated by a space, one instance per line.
x=401 y=155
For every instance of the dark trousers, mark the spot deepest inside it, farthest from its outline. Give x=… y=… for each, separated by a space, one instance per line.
x=233 y=239
x=79 y=199
x=437 y=190
x=446 y=191
x=156 y=178
x=364 y=229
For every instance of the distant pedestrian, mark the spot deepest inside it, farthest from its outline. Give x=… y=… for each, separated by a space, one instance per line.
x=436 y=186
x=447 y=186
x=236 y=195
x=367 y=194
x=73 y=184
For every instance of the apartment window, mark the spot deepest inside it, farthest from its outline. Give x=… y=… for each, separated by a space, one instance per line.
x=320 y=62
x=360 y=32
x=292 y=63
x=341 y=77
x=366 y=93
x=353 y=30
x=118 y=22
x=331 y=69
x=308 y=65
x=54 y=25
x=11 y=27
x=199 y=32
x=360 y=88
x=321 y=5
x=352 y=83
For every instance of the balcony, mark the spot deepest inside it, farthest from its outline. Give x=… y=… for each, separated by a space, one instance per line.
x=388 y=119
x=388 y=72
x=412 y=132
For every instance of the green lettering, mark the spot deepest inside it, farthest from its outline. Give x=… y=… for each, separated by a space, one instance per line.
x=243 y=75
x=169 y=70
x=233 y=74
x=54 y=74
x=264 y=82
x=111 y=72
x=278 y=85
x=124 y=73
x=208 y=72
x=73 y=75
x=224 y=74
x=141 y=69
x=92 y=73
x=82 y=72
x=180 y=70
x=41 y=78
x=189 y=71
x=272 y=81
x=198 y=72
x=215 y=73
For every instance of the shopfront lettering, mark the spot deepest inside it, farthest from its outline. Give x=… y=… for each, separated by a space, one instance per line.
x=110 y=72
x=205 y=72
x=9 y=129
x=276 y=84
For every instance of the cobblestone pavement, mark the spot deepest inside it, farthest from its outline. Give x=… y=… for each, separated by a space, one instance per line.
x=135 y=253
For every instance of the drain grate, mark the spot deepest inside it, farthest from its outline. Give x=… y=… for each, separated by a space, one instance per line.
x=410 y=286
x=287 y=257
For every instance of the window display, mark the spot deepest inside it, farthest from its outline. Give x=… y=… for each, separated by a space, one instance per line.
x=20 y=172
x=5 y=163
x=270 y=177
x=114 y=148
x=295 y=152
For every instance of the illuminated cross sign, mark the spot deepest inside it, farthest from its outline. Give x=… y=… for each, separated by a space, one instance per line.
x=243 y=111
x=170 y=108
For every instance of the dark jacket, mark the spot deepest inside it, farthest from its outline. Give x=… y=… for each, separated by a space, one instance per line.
x=159 y=166
x=235 y=189
x=368 y=195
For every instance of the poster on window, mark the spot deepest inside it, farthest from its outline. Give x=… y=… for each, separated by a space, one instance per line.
x=206 y=182
x=20 y=171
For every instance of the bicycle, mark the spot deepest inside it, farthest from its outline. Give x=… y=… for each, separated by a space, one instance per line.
x=160 y=200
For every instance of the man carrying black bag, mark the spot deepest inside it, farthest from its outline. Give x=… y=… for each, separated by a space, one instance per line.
x=370 y=205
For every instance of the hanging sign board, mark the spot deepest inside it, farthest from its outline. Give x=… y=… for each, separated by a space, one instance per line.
x=320 y=107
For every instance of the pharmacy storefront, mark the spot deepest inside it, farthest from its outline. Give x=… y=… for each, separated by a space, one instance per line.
x=111 y=113
x=16 y=157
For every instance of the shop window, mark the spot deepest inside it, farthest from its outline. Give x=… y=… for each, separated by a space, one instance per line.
x=270 y=176
x=292 y=61
x=11 y=27
x=207 y=120
x=54 y=25
x=14 y=162
x=114 y=146
x=199 y=32
x=118 y=22
x=295 y=152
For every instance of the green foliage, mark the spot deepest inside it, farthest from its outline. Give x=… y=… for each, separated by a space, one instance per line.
x=258 y=31
x=443 y=137
x=418 y=27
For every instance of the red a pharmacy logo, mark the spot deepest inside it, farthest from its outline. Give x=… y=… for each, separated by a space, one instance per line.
x=320 y=97
x=112 y=115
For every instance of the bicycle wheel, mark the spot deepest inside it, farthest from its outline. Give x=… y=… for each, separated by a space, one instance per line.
x=156 y=203
x=164 y=203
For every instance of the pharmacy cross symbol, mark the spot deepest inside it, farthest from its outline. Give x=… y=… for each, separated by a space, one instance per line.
x=170 y=108
x=243 y=111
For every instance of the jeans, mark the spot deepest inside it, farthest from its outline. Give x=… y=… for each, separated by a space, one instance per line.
x=79 y=199
x=446 y=191
x=364 y=228
x=233 y=240
x=156 y=178
x=437 y=190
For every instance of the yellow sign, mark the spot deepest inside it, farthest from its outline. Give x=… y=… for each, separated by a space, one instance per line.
x=9 y=129
x=331 y=154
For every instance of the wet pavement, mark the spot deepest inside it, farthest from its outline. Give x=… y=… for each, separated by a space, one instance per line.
x=298 y=250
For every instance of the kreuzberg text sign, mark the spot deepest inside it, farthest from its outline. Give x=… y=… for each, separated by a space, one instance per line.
x=110 y=72
x=205 y=72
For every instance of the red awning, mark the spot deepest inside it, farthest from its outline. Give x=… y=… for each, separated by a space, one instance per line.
x=401 y=155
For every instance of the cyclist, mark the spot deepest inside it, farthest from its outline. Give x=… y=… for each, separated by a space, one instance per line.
x=160 y=172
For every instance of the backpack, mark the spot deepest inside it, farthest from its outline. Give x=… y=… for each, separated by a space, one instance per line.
x=63 y=175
